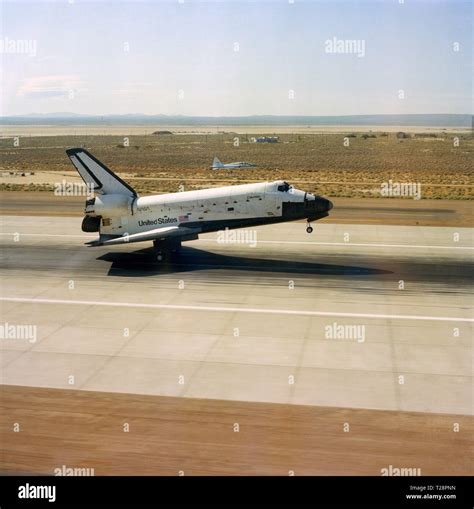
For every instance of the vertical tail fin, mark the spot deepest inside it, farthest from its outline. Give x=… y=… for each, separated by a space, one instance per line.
x=216 y=163
x=96 y=175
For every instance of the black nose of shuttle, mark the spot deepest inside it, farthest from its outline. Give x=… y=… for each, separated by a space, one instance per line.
x=324 y=205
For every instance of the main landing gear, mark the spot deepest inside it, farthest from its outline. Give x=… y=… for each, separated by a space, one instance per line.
x=309 y=228
x=164 y=250
x=161 y=256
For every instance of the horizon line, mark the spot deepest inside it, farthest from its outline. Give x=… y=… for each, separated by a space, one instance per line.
x=254 y=115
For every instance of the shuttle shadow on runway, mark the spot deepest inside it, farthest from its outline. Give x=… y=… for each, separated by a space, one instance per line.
x=189 y=259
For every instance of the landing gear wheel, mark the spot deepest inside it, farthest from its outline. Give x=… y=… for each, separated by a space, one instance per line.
x=164 y=251
x=309 y=229
x=161 y=256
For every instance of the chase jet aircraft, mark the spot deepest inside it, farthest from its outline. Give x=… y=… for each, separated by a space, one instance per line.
x=217 y=165
x=120 y=216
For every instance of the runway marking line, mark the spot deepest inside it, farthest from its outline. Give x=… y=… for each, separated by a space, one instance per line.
x=227 y=309
x=295 y=242
x=350 y=244
x=49 y=235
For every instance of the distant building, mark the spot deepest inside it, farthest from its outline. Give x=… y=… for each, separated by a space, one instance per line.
x=401 y=135
x=267 y=139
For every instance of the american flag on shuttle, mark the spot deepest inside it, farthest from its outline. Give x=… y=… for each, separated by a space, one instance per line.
x=183 y=218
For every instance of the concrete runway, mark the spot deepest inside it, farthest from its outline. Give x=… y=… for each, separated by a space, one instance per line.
x=225 y=322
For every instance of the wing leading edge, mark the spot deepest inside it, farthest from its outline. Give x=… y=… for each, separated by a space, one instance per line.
x=156 y=235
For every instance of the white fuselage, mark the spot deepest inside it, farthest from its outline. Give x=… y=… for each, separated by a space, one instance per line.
x=233 y=166
x=207 y=209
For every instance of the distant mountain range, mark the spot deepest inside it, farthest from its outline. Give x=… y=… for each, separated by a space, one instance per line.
x=63 y=118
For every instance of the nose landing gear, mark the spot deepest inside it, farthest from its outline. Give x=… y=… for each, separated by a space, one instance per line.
x=309 y=228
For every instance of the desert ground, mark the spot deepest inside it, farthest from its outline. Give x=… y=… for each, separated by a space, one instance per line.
x=348 y=163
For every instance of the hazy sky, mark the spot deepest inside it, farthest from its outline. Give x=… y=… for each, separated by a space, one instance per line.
x=180 y=58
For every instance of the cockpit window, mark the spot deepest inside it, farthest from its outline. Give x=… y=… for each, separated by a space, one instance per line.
x=285 y=187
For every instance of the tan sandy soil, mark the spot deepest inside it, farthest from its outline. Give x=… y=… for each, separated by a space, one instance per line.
x=168 y=435
x=53 y=178
x=106 y=130
x=344 y=164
